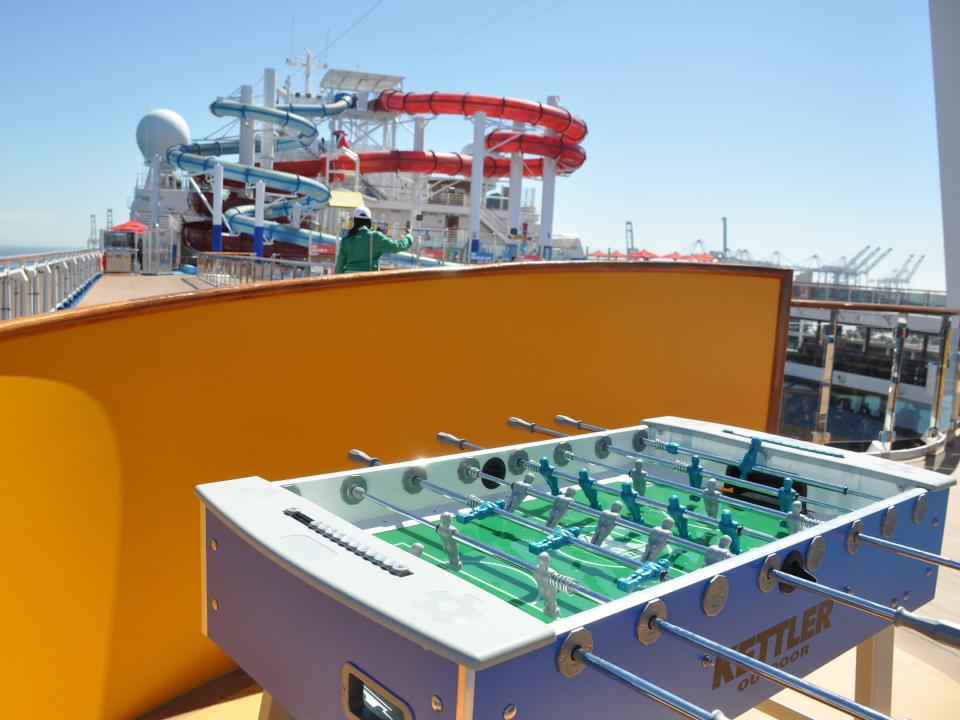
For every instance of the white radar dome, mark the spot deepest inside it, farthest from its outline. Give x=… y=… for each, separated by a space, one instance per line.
x=160 y=130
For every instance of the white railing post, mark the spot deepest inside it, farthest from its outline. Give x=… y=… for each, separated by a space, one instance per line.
x=5 y=294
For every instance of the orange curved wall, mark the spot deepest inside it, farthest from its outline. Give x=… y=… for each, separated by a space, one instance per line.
x=112 y=415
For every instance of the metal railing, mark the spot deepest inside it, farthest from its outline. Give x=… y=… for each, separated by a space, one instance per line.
x=227 y=269
x=853 y=377
x=41 y=282
x=868 y=294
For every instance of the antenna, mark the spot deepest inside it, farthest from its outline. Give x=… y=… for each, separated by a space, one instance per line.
x=308 y=66
x=629 y=231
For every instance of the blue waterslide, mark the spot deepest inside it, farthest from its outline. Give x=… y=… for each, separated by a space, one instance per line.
x=203 y=157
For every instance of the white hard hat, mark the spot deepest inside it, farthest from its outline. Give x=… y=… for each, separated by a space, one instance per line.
x=362 y=212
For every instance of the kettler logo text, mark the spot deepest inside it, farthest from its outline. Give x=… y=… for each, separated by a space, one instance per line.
x=782 y=644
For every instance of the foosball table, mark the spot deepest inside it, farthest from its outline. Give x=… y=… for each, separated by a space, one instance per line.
x=700 y=566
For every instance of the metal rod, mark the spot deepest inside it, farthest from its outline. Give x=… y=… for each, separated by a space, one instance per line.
x=769 y=672
x=942 y=631
x=910 y=552
x=680 y=486
x=853 y=601
x=661 y=506
x=793 y=446
x=676 y=540
x=728 y=479
x=483 y=547
x=587 y=510
x=644 y=687
x=822 y=484
x=533 y=525
x=533 y=428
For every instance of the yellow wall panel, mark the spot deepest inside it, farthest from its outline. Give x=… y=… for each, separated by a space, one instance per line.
x=114 y=414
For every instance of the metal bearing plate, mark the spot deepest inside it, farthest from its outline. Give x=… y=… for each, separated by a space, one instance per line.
x=467 y=472
x=889 y=522
x=766 y=580
x=517 y=462
x=647 y=633
x=920 y=509
x=640 y=440
x=566 y=664
x=602 y=448
x=715 y=596
x=411 y=479
x=853 y=536
x=347 y=488
x=815 y=552
x=560 y=453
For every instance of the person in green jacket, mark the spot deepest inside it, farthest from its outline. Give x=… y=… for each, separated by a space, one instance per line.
x=361 y=248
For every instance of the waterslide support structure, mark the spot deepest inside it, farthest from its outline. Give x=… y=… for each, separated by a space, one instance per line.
x=476 y=182
x=216 y=233
x=416 y=213
x=246 y=128
x=516 y=180
x=154 y=191
x=259 y=199
x=549 y=193
x=267 y=133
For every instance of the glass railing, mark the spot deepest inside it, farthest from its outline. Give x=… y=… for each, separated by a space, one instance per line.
x=849 y=353
x=867 y=294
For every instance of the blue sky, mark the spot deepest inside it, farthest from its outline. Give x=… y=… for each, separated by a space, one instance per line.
x=810 y=125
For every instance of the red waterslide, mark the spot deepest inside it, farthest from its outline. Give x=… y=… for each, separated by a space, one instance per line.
x=564 y=147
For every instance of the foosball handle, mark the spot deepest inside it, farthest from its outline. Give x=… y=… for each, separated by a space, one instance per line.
x=446 y=437
x=519 y=423
x=359 y=456
x=943 y=631
x=567 y=420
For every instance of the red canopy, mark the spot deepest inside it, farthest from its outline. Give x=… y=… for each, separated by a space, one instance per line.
x=617 y=254
x=599 y=253
x=129 y=226
x=642 y=255
x=702 y=257
x=672 y=256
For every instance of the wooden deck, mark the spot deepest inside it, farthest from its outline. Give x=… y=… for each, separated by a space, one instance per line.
x=123 y=286
x=926 y=675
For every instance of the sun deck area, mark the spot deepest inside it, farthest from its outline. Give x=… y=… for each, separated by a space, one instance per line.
x=118 y=287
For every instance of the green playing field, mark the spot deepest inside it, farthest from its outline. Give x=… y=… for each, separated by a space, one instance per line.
x=597 y=572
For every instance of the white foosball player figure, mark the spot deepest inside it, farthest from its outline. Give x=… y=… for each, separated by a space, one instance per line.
x=795 y=519
x=606 y=522
x=711 y=498
x=518 y=492
x=450 y=546
x=561 y=505
x=720 y=551
x=545 y=588
x=639 y=477
x=658 y=540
